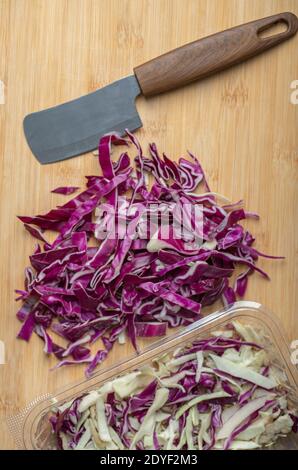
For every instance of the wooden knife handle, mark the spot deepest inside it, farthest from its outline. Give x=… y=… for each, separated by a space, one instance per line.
x=201 y=58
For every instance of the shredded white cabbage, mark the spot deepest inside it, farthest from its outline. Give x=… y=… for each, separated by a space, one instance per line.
x=146 y=427
x=241 y=415
x=199 y=399
x=88 y=401
x=243 y=372
x=200 y=360
x=102 y=425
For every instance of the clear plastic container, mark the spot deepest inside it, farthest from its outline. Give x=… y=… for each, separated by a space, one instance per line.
x=31 y=429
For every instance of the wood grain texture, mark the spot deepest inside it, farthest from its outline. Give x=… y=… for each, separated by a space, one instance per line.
x=200 y=59
x=241 y=123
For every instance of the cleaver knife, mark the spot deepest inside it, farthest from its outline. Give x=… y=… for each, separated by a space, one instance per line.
x=74 y=128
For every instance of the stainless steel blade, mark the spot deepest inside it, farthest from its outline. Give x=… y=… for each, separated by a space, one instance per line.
x=75 y=127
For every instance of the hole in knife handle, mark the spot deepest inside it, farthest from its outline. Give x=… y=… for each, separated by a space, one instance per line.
x=281 y=26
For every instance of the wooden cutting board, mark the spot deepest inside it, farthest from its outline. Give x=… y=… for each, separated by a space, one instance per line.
x=241 y=124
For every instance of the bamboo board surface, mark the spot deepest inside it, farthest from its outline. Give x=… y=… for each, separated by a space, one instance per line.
x=240 y=123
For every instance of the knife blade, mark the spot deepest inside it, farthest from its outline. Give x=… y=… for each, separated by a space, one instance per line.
x=75 y=127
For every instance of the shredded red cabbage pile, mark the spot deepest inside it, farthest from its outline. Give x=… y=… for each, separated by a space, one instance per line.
x=87 y=285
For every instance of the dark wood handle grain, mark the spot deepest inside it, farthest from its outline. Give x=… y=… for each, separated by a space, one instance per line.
x=206 y=56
